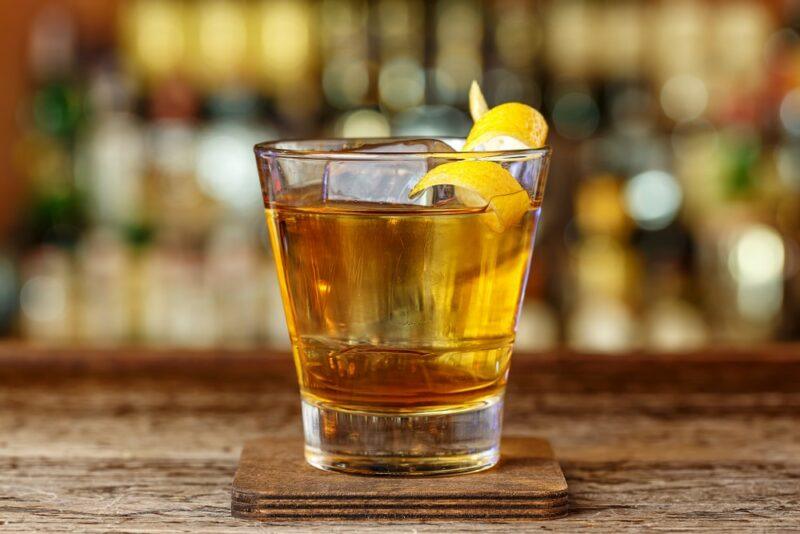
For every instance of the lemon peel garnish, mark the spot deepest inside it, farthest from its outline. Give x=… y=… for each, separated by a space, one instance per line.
x=477 y=103
x=478 y=184
x=499 y=127
x=484 y=183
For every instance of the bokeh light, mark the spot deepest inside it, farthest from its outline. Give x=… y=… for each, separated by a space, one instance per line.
x=679 y=37
x=602 y=324
x=363 y=123
x=224 y=171
x=598 y=207
x=619 y=48
x=158 y=35
x=221 y=46
x=653 y=199
x=345 y=82
x=285 y=50
x=756 y=262
x=674 y=325
x=743 y=26
x=43 y=298
x=453 y=75
x=401 y=83
x=757 y=256
x=568 y=38
x=538 y=327
x=602 y=266
x=684 y=97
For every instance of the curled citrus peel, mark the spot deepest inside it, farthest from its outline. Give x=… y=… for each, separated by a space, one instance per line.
x=484 y=183
x=478 y=184
x=505 y=127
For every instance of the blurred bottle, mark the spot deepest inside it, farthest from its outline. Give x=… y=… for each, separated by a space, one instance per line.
x=224 y=168
x=568 y=38
x=743 y=256
x=112 y=153
x=216 y=43
x=153 y=38
x=56 y=210
x=538 y=326
x=459 y=28
x=233 y=271
x=56 y=100
x=46 y=296
x=605 y=271
x=175 y=204
x=398 y=31
x=177 y=306
x=346 y=77
x=286 y=60
x=537 y=329
x=671 y=322
x=105 y=290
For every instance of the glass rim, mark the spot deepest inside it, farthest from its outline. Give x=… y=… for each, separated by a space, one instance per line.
x=272 y=149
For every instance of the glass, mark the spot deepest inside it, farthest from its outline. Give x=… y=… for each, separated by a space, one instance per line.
x=401 y=312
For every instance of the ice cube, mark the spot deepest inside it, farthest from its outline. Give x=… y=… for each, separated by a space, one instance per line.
x=403 y=146
x=385 y=180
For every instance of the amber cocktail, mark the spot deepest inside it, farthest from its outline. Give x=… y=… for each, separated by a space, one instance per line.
x=401 y=310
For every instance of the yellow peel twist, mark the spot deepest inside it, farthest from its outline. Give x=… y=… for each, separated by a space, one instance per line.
x=478 y=184
x=511 y=120
x=485 y=183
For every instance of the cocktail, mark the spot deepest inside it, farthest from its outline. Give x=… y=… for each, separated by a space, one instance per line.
x=402 y=266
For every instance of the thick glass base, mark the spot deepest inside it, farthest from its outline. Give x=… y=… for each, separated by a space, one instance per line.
x=423 y=443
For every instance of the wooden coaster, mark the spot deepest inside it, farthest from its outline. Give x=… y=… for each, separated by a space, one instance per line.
x=273 y=482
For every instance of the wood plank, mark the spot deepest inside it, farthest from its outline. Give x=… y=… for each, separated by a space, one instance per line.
x=169 y=495
x=774 y=368
x=101 y=448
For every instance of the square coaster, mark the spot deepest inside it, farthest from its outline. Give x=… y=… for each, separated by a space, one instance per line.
x=273 y=482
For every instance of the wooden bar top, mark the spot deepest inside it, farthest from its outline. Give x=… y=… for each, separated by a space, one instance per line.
x=148 y=440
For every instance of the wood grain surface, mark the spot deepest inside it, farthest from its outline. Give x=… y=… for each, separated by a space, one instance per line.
x=148 y=441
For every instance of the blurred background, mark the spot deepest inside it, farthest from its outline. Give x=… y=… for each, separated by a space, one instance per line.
x=130 y=212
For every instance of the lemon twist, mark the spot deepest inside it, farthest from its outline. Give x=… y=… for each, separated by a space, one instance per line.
x=507 y=126
x=511 y=121
x=484 y=183
x=478 y=184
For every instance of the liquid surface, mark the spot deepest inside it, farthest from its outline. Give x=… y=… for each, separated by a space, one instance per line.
x=400 y=308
